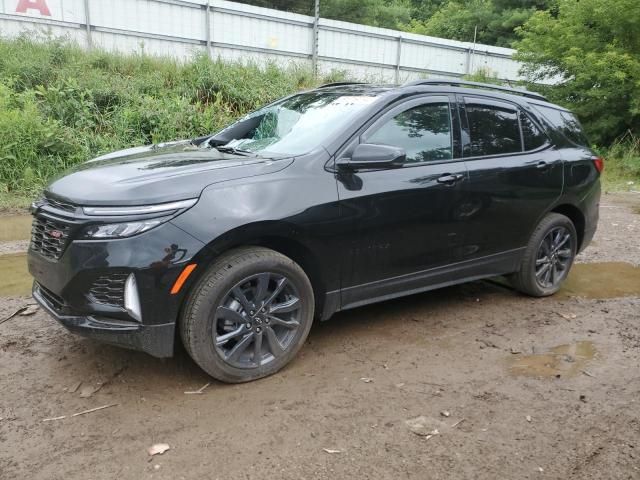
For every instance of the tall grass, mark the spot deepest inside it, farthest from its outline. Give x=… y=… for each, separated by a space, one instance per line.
x=622 y=164
x=60 y=105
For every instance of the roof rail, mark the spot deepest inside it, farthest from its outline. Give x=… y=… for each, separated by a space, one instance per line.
x=487 y=86
x=337 y=84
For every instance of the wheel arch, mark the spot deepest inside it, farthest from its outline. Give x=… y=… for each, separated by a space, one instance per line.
x=576 y=216
x=278 y=236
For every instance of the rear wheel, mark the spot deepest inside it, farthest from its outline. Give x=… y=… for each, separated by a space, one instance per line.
x=248 y=316
x=548 y=257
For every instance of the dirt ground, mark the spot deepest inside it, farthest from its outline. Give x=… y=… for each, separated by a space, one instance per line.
x=508 y=387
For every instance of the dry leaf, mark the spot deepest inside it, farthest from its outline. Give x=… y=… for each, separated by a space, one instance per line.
x=74 y=388
x=199 y=391
x=330 y=450
x=30 y=310
x=158 y=449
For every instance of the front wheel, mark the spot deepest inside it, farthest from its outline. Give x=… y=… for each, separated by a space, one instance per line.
x=548 y=257
x=248 y=316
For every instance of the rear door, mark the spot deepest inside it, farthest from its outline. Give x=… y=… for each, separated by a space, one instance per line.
x=515 y=175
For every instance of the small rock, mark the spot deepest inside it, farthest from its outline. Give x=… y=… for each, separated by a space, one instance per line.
x=156 y=467
x=367 y=379
x=528 y=417
x=445 y=413
x=424 y=427
x=583 y=398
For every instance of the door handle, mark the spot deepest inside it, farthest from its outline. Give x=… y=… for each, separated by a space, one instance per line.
x=450 y=179
x=542 y=165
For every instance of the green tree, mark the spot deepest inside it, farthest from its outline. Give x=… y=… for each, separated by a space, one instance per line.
x=377 y=13
x=591 y=50
x=496 y=20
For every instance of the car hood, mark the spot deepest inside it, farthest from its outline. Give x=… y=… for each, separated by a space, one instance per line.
x=156 y=174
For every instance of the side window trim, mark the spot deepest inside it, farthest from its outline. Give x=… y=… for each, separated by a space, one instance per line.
x=393 y=111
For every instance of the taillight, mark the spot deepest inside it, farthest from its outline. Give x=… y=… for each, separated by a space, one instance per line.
x=598 y=162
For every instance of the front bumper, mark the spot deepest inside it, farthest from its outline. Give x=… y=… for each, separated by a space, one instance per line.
x=66 y=286
x=156 y=340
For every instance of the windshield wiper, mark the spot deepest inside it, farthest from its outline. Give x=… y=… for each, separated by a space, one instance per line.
x=235 y=151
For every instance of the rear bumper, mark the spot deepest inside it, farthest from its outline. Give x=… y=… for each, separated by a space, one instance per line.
x=591 y=208
x=156 y=340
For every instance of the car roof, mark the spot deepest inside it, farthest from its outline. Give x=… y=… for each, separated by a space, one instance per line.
x=498 y=92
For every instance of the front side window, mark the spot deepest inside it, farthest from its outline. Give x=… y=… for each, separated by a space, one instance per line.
x=424 y=132
x=493 y=130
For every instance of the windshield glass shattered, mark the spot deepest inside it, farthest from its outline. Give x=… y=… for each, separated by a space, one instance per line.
x=297 y=124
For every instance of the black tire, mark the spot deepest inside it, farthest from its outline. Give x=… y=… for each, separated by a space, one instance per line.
x=214 y=310
x=530 y=278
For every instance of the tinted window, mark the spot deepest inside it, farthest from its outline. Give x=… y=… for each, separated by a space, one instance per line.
x=566 y=122
x=531 y=134
x=493 y=130
x=424 y=132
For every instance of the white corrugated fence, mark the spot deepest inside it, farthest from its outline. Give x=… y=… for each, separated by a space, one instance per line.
x=179 y=28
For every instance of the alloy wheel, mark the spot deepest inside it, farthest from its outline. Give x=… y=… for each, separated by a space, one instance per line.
x=554 y=257
x=257 y=320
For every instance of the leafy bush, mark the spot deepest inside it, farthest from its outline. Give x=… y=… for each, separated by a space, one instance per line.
x=60 y=105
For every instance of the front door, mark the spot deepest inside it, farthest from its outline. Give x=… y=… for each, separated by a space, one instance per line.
x=405 y=223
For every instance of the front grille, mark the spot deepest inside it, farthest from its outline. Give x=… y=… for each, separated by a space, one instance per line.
x=57 y=204
x=109 y=289
x=49 y=237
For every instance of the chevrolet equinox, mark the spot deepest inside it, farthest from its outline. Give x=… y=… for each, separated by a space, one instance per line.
x=322 y=201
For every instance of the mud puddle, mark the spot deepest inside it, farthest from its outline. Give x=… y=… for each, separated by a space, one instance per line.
x=15 y=227
x=564 y=360
x=14 y=278
x=602 y=280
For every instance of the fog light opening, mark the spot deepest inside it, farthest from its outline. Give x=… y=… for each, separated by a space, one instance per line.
x=131 y=298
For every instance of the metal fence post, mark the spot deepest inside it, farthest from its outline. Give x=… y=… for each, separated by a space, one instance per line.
x=207 y=23
x=398 y=59
x=314 y=43
x=87 y=21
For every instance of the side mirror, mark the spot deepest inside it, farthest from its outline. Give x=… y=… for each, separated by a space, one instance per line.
x=369 y=155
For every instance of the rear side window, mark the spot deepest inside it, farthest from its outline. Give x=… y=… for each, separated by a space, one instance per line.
x=566 y=122
x=424 y=132
x=531 y=135
x=493 y=129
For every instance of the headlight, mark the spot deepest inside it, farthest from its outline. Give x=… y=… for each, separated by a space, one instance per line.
x=122 y=230
x=132 y=226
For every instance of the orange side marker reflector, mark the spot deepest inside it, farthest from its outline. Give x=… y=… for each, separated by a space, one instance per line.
x=183 y=278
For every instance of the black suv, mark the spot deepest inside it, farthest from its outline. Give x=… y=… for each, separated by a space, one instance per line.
x=322 y=201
